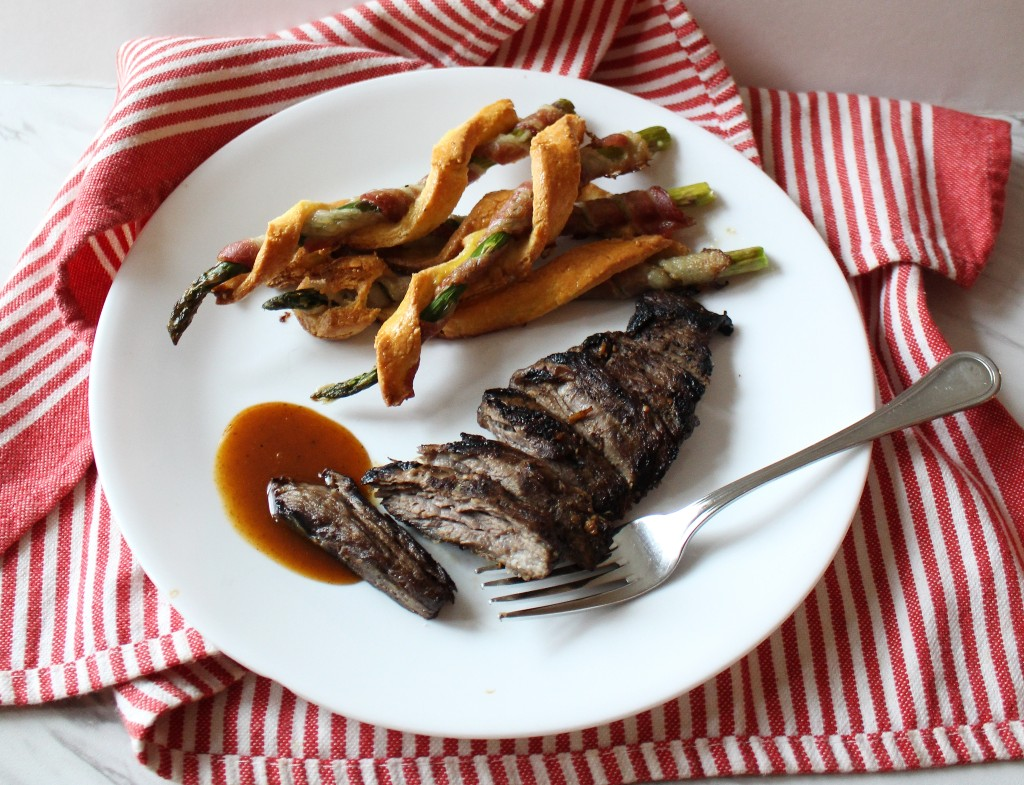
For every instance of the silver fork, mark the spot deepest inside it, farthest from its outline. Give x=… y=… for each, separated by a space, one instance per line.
x=646 y=551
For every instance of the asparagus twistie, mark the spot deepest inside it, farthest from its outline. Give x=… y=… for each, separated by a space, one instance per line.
x=696 y=269
x=606 y=157
x=484 y=265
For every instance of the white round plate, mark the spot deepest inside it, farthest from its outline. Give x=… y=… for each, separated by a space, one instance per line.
x=796 y=369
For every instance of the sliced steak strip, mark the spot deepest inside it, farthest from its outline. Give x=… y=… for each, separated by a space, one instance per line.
x=515 y=418
x=666 y=387
x=469 y=510
x=656 y=320
x=559 y=505
x=338 y=518
x=499 y=502
x=574 y=387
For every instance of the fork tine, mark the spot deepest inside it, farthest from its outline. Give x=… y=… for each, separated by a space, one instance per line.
x=611 y=595
x=576 y=579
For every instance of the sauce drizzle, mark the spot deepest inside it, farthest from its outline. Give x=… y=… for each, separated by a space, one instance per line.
x=281 y=439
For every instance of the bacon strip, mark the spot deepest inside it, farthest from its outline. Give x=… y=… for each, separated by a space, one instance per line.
x=651 y=211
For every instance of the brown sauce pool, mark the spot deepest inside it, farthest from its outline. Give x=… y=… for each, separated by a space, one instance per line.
x=283 y=440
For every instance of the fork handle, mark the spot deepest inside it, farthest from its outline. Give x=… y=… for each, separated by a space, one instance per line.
x=962 y=380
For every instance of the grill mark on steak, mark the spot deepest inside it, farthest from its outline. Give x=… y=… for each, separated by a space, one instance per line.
x=338 y=518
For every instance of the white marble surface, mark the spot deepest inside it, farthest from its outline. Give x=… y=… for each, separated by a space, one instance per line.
x=44 y=129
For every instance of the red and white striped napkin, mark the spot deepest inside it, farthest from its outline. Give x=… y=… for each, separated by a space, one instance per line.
x=907 y=654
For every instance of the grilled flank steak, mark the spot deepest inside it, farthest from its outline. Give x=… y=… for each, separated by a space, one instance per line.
x=578 y=437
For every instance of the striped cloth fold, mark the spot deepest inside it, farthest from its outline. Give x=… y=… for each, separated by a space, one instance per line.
x=907 y=654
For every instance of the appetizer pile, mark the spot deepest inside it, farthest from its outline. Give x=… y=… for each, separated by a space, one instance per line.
x=402 y=259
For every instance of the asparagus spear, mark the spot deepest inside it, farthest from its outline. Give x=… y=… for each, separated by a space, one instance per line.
x=706 y=266
x=185 y=308
x=744 y=261
x=623 y=152
x=515 y=145
x=297 y=300
x=699 y=268
x=693 y=195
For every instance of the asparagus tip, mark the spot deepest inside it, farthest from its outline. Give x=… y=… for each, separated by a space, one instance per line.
x=695 y=194
x=296 y=300
x=185 y=309
x=332 y=392
x=744 y=261
x=657 y=137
